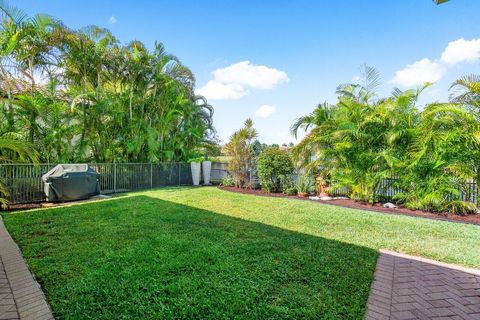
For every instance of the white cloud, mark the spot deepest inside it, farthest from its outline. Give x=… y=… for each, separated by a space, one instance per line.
x=265 y=111
x=112 y=20
x=232 y=82
x=215 y=90
x=419 y=72
x=461 y=50
x=426 y=70
x=247 y=74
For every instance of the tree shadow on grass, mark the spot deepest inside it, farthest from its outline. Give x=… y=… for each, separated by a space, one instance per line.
x=141 y=257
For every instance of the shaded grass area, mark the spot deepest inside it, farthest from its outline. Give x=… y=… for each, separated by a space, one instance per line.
x=165 y=254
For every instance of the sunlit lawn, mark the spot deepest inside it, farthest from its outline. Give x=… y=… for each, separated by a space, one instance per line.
x=203 y=253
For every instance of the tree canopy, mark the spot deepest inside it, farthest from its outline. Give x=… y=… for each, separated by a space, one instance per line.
x=362 y=140
x=81 y=95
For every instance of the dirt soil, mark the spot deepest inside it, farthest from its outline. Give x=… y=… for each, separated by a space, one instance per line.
x=471 y=219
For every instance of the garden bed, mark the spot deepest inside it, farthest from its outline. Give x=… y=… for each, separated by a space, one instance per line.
x=348 y=203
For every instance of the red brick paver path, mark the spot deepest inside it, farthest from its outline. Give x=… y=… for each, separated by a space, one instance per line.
x=407 y=287
x=20 y=295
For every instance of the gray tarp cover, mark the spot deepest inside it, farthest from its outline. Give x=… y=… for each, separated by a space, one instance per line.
x=67 y=182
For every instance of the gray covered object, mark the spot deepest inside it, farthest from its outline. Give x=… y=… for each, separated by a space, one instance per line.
x=67 y=182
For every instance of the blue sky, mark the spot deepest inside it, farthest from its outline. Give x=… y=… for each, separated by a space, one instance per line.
x=275 y=60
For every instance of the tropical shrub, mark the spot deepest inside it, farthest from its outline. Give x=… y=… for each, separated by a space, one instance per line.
x=272 y=163
x=80 y=95
x=362 y=140
x=305 y=184
x=461 y=207
x=196 y=159
x=287 y=185
x=241 y=159
x=228 y=182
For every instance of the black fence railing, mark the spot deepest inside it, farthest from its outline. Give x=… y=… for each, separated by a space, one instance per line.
x=24 y=181
x=387 y=189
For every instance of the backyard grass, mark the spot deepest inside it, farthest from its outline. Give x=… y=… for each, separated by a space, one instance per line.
x=204 y=253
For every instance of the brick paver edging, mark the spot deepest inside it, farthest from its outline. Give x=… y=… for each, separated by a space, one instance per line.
x=408 y=287
x=28 y=300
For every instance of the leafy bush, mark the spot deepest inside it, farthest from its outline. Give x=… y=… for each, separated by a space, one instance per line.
x=271 y=164
x=305 y=184
x=228 y=182
x=461 y=207
x=287 y=186
x=239 y=148
x=364 y=139
x=197 y=159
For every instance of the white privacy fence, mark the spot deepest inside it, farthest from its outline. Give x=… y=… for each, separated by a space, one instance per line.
x=24 y=181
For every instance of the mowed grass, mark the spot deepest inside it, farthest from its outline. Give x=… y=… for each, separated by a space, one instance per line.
x=203 y=253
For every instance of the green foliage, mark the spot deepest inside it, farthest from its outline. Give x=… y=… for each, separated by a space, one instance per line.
x=305 y=184
x=362 y=140
x=461 y=207
x=197 y=159
x=228 y=182
x=240 y=150
x=98 y=100
x=271 y=164
x=287 y=185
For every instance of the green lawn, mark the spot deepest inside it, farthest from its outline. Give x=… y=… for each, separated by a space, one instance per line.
x=203 y=253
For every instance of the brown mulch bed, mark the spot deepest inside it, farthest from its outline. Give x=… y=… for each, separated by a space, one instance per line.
x=35 y=205
x=470 y=219
x=38 y=205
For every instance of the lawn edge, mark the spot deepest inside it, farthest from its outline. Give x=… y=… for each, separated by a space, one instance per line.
x=373 y=209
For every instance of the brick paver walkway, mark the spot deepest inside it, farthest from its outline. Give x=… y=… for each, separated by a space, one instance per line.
x=20 y=295
x=407 y=287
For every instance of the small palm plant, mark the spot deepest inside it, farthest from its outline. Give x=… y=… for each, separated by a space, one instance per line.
x=305 y=184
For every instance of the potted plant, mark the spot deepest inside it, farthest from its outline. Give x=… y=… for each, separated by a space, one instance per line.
x=207 y=169
x=304 y=185
x=196 y=169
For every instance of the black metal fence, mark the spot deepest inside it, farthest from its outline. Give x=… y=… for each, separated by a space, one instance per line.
x=387 y=189
x=24 y=181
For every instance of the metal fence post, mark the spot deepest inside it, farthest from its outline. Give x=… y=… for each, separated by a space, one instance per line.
x=179 y=174
x=151 y=175
x=114 y=177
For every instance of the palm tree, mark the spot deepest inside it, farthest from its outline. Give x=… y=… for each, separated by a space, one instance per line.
x=466 y=92
x=81 y=96
x=238 y=148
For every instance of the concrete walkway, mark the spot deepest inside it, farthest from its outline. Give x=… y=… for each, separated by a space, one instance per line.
x=20 y=295
x=407 y=287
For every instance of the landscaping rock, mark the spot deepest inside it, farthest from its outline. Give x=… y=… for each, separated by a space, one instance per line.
x=314 y=198
x=340 y=198
x=326 y=198
x=389 y=205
